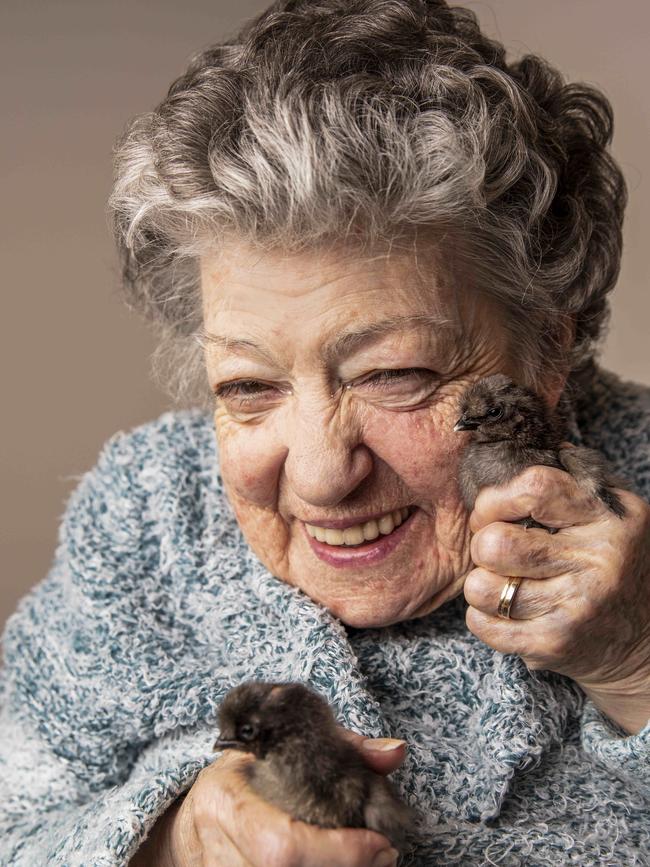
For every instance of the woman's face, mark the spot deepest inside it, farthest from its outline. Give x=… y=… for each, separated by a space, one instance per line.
x=337 y=380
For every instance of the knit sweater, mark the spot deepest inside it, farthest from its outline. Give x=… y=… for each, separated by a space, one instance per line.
x=155 y=606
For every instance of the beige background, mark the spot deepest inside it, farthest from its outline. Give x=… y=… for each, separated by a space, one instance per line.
x=74 y=363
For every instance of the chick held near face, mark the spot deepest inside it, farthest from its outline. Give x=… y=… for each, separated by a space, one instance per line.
x=337 y=378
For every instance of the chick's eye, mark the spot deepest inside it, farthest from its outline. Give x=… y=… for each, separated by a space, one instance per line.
x=247 y=732
x=495 y=412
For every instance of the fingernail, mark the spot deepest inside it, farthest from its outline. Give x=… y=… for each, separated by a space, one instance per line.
x=386 y=858
x=382 y=745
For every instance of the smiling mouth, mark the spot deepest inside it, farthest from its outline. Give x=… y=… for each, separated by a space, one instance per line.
x=361 y=534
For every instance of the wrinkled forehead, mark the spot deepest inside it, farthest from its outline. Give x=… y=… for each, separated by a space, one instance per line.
x=411 y=272
x=273 y=291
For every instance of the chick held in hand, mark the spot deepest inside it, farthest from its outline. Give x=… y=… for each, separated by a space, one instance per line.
x=513 y=429
x=304 y=764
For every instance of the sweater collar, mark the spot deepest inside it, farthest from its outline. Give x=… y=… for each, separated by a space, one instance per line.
x=516 y=718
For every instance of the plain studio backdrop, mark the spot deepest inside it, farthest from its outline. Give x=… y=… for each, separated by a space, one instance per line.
x=75 y=363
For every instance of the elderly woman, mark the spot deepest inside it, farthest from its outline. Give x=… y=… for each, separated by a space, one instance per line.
x=346 y=216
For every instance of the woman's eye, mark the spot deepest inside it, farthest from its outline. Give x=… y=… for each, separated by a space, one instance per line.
x=254 y=394
x=243 y=390
x=393 y=375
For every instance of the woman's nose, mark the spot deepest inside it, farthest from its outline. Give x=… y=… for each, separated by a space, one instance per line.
x=326 y=460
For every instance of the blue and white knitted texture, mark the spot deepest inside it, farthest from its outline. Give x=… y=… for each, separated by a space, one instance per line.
x=116 y=663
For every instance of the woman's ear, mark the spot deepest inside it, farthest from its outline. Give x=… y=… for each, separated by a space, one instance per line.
x=554 y=382
x=552 y=395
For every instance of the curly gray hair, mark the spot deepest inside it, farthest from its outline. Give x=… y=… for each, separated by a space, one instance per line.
x=368 y=120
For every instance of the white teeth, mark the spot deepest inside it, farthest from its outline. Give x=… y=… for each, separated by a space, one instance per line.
x=360 y=532
x=370 y=531
x=353 y=535
x=386 y=524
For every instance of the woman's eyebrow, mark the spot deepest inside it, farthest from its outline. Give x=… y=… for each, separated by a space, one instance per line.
x=344 y=344
x=234 y=345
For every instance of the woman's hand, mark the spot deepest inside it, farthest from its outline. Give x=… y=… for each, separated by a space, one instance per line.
x=583 y=609
x=222 y=823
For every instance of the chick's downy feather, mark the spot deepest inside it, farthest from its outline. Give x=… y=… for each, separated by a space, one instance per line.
x=303 y=764
x=513 y=429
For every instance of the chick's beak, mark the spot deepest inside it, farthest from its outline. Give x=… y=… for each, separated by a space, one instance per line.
x=465 y=423
x=224 y=744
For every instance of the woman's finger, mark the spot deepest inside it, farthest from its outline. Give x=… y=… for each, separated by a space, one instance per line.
x=542 y=643
x=533 y=598
x=506 y=636
x=552 y=497
x=280 y=841
x=510 y=549
x=219 y=850
x=344 y=847
x=222 y=784
x=383 y=755
x=265 y=836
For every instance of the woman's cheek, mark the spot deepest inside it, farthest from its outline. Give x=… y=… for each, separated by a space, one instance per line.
x=420 y=446
x=250 y=459
x=250 y=467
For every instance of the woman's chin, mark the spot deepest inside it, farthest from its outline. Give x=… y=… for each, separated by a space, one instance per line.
x=401 y=576
x=374 y=607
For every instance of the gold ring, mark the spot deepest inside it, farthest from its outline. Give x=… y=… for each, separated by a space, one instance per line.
x=507 y=595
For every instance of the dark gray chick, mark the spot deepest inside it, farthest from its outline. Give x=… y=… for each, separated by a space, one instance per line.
x=304 y=766
x=512 y=429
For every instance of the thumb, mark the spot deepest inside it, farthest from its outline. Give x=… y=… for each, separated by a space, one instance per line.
x=383 y=755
